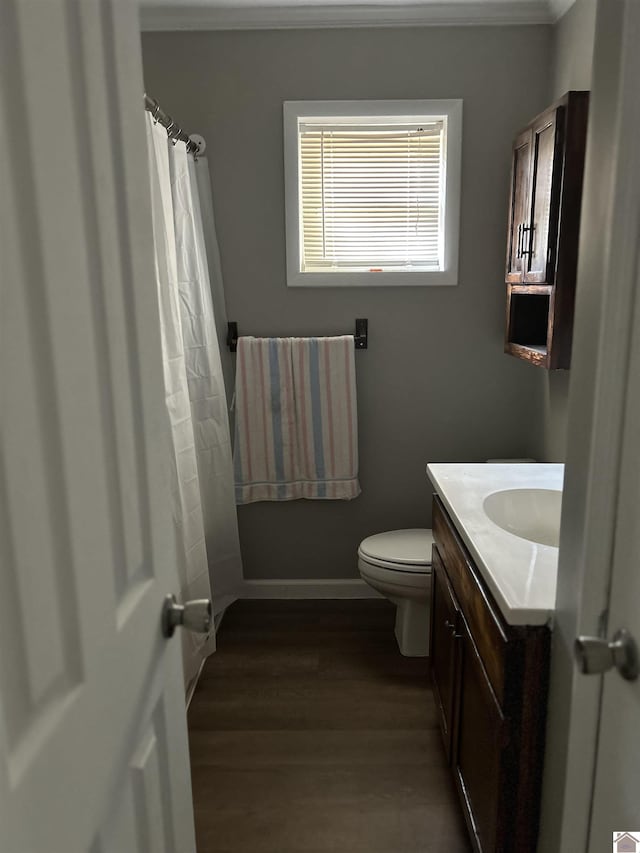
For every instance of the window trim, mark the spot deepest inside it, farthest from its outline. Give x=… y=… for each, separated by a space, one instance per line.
x=451 y=109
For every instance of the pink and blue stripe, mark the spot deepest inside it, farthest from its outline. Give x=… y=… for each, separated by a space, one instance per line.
x=296 y=419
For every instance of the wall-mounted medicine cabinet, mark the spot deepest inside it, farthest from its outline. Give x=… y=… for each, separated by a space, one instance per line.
x=542 y=237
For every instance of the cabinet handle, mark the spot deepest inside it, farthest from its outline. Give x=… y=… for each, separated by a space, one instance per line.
x=519 y=242
x=530 y=229
x=452 y=628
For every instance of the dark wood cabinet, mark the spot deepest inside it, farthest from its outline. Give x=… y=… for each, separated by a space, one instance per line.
x=445 y=628
x=546 y=166
x=490 y=684
x=482 y=738
x=543 y=231
x=518 y=209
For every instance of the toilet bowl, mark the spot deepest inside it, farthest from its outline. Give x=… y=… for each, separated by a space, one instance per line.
x=398 y=564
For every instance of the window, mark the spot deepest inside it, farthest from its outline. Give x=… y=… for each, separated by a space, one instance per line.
x=372 y=191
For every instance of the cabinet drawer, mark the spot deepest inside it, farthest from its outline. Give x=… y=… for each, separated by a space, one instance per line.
x=489 y=630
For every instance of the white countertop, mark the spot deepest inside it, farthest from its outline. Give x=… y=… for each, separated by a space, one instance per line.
x=521 y=574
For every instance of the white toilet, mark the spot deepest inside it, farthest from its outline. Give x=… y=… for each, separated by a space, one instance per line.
x=398 y=564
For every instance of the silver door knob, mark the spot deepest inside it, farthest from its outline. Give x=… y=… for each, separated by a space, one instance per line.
x=193 y=615
x=595 y=655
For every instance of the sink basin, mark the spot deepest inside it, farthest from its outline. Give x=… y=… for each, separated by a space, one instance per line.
x=532 y=514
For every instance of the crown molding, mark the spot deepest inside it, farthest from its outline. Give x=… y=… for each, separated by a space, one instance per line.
x=559 y=8
x=159 y=18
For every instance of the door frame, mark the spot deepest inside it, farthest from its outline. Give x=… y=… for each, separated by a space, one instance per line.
x=607 y=282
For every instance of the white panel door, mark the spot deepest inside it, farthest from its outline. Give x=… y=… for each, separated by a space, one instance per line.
x=93 y=746
x=599 y=568
x=616 y=793
x=615 y=806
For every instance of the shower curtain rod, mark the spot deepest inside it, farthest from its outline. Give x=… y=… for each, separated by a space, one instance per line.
x=174 y=131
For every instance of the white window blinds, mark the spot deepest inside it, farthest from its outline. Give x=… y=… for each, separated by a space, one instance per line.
x=371 y=196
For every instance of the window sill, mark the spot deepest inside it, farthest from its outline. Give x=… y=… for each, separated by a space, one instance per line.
x=444 y=278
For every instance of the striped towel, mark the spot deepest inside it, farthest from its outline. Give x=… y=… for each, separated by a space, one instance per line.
x=296 y=419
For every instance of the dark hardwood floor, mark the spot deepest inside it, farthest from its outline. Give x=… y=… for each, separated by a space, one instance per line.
x=310 y=733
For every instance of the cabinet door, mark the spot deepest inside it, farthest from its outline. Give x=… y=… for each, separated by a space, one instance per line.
x=479 y=744
x=540 y=232
x=518 y=207
x=445 y=623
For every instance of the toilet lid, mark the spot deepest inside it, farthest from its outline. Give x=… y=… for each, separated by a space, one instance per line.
x=405 y=548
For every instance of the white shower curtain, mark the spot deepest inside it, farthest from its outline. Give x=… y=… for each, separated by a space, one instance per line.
x=205 y=378
x=204 y=512
x=203 y=181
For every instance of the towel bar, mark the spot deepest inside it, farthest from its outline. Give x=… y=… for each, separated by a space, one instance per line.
x=361 y=335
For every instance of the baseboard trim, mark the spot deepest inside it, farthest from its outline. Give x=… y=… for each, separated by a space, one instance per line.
x=318 y=588
x=158 y=16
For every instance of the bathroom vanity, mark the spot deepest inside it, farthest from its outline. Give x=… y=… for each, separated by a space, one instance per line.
x=493 y=593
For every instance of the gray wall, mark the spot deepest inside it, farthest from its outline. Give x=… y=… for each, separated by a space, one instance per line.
x=572 y=60
x=434 y=384
x=573 y=39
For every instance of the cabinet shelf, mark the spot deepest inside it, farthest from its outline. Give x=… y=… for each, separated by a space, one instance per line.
x=533 y=289
x=542 y=238
x=535 y=354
